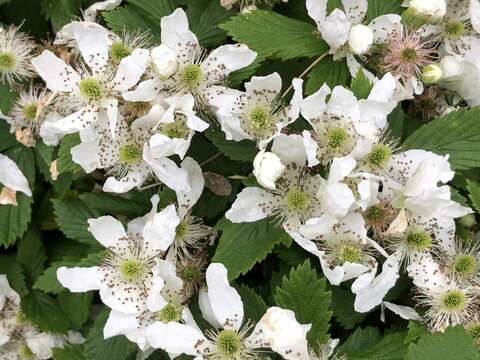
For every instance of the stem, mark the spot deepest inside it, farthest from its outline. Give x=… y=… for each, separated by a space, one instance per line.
x=149 y=186
x=210 y=159
x=306 y=71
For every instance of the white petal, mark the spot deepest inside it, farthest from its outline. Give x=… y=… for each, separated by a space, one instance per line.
x=340 y=168
x=106 y=230
x=355 y=10
x=155 y=300
x=251 y=204
x=173 y=284
x=119 y=324
x=146 y=91
x=186 y=199
x=91 y=12
x=131 y=70
x=12 y=177
x=79 y=279
x=293 y=109
x=290 y=149
x=317 y=10
x=175 y=32
x=93 y=41
x=206 y=308
x=167 y=171
x=160 y=228
x=57 y=75
x=372 y=295
x=174 y=337
x=85 y=154
x=343 y=103
x=335 y=29
x=226 y=59
x=224 y=299
x=311 y=148
x=475 y=14
x=270 y=84
x=337 y=198
x=386 y=26
x=125 y=184
x=41 y=345
x=405 y=312
x=314 y=105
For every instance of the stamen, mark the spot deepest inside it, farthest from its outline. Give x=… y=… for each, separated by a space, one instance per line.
x=131 y=270
x=7 y=61
x=191 y=76
x=453 y=300
x=130 y=154
x=297 y=200
x=119 y=51
x=91 y=89
x=170 y=312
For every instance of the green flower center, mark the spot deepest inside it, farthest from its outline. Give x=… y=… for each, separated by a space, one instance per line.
x=177 y=129
x=465 y=265
x=379 y=155
x=453 y=300
x=474 y=330
x=30 y=111
x=119 y=51
x=7 y=61
x=337 y=137
x=191 y=76
x=261 y=120
x=454 y=29
x=131 y=270
x=228 y=343
x=409 y=55
x=24 y=352
x=130 y=154
x=91 y=89
x=170 y=312
x=374 y=213
x=418 y=240
x=297 y=200
x=189 y=274
x=181 y=230
x=349 y=253
x=20 y=318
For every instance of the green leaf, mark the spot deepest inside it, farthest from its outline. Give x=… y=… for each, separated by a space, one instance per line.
x=454 y=343
x=204 y=17
x=244 y=150
x=64 y=161
x=457 y=134
x=307 y=295
x=343 y=311
x=115 y=348
x=382 y=7
x=7 y=139
x=48 y=281
x=14 y=220
x=7 y=98
x=43 y=311
x=327 y=71
x=242 y=245
x=474 y=194
x=369 y=344
x=72 y=217
x=127 y=19
x=31 y=254
x=272 y=34
x=14 y=272
x=71 y=352
x=156 y=9
x=361 y=86
x=111 y=204
x=60 y=12
x=396 y=121
x=253 y=304
x=76 y=306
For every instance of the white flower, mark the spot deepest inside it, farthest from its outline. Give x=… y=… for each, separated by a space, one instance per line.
x=433 y=9
x=295 y=198
x=164 y=61
x=15 y=54
x=13 y=180
x=125 y=277
x=168 y=306
x=222 y=307
x=432 y=73
x=97 y=88
x=360 y=39
x=448 y=303
x=195 y=74
x=258 y=113
x=267 y=168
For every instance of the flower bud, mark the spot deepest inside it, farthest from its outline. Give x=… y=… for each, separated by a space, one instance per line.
x=267 y=168
x=360 y=39
x=432 y=73
x=431 y=10
x=164 y=61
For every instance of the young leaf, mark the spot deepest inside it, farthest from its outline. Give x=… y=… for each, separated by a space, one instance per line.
x=115 y=348
x=454 y=343
x=242 y=245
x=306 y=294
x=456 y=134
x=361 y=86
x=274 y=35
x=71 y=216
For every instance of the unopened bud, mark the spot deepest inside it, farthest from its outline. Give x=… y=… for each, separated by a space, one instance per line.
x=432 y=73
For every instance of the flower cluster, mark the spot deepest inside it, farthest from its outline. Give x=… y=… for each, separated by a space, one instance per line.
x=329 y=174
